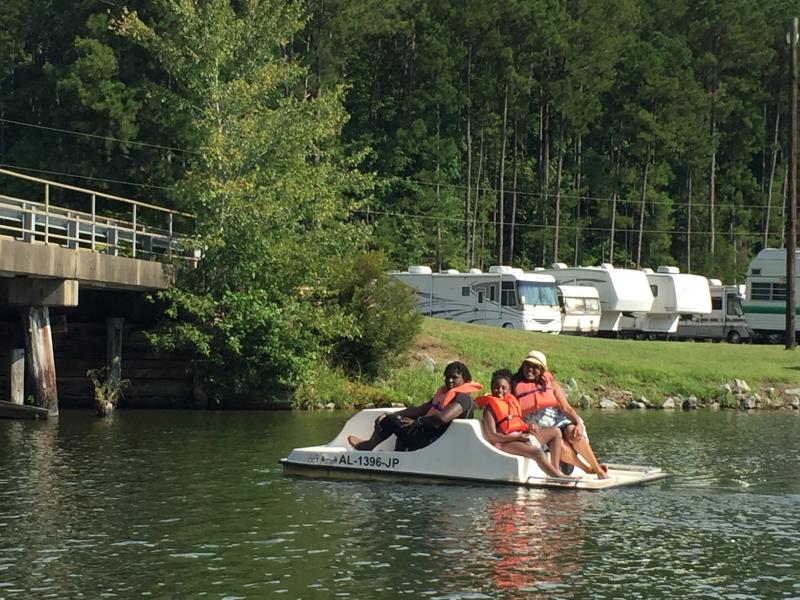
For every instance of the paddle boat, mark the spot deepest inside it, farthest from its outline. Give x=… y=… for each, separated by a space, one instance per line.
x=462 y=454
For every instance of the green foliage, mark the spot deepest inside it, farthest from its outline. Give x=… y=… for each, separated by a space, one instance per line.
x=384 y=317
x=655 y=369
x=331 y=386
x=272 y=191
x=259 y=116
x=108 y=390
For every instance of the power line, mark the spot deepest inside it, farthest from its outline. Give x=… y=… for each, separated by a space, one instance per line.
x=406 y=215
x=397 y=178
x=493 y=223
x=92 y=135
x=87 y=177
x=390 y=178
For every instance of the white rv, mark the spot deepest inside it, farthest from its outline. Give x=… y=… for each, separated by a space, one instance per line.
x=674 y=294
x=504 y=297
x=580 y=309
x=621 y=291
x=726 y=320
x=765 y=295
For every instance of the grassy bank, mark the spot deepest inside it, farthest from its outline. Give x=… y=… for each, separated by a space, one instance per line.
x=600 y=367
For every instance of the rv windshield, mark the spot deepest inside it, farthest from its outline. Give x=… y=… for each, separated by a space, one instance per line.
x=735 y=306
x=537 y=294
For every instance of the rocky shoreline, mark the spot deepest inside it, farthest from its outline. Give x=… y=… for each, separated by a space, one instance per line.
x=735 y=394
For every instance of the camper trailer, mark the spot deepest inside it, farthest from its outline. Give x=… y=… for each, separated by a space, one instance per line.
x=503 y=297
x=674 y=294
x=765 y=295
x=580 y=309
x=621 y=291
x=726 y=320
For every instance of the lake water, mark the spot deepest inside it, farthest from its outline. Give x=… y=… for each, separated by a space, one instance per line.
x=194 y=505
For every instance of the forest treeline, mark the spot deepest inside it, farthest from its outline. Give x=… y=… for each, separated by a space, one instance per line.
x=515 y=132
x=452 y=133
x=526 y=132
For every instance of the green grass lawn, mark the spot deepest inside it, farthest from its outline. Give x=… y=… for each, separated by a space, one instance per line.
x=653 y=369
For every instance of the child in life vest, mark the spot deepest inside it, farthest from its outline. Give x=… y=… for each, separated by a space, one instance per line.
x=503 y=426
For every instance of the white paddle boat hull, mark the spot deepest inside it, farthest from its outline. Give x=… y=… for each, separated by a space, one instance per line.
x=462 y=454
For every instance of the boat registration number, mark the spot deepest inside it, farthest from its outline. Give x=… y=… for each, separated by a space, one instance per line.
x=349 y=460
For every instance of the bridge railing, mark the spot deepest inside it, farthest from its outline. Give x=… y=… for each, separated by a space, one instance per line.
x=125 y=227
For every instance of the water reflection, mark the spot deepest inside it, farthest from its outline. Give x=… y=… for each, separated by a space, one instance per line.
x=533 y=540
x=194 y=505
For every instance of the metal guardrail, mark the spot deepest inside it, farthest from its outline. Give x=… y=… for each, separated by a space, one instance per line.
x=100 y=231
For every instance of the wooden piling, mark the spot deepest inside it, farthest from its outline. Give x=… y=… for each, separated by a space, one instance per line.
x=41 y=362
x=17 y=376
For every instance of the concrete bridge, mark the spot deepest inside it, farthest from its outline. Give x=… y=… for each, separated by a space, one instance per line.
x=57 y=238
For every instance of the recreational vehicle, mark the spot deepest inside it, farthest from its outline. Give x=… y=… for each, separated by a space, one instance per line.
x=580 y=309
x=765 y=295
x=504 y=297
x=674 y=294
x=621 y=291
x=726 y=320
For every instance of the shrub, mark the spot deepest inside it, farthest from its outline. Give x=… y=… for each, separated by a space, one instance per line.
x=385 y=320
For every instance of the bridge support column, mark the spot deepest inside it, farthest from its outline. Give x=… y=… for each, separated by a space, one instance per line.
x=114 y=328
x=42 y=364
x=17 y=376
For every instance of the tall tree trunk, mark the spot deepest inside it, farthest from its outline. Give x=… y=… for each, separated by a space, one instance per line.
x=773 y=164
x=785 y=196
x=577 y=231
x=438 y=191
x=641 y=212
x=764 y=121
x=544 y=170
x=712 y=181
x=438 y=245
x=477 y=201
x=511 y=234
x=558 y=191
x=689 y=223
x=576 y=182
x=483 y=242
x=501 y=201
x=615 y=197
x=467 y=202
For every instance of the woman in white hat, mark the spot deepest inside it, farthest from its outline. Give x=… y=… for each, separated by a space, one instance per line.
x=543 y=403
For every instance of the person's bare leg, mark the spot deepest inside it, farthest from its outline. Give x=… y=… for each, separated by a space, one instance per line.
x=584 y=450
x=583 y=453
x=551 y=436
x=525 y=449
x=569 y=456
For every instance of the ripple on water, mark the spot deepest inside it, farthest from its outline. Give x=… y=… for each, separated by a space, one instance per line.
x=174 y=516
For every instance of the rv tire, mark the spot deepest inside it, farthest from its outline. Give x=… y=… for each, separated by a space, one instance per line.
x=508 y=326
x=734 y=337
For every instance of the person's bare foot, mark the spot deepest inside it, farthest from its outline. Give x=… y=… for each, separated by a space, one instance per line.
x=603 y=473
x=357 y=443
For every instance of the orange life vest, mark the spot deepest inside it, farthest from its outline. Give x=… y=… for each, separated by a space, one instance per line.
x=533 y=395
x=443 y=396
x=506 y=413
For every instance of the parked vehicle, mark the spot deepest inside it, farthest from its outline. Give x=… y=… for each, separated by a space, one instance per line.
x=726 y=321
x=503 y=297
x=621 y=291
x=674 y=294
x=580 y=309
x=765 y=296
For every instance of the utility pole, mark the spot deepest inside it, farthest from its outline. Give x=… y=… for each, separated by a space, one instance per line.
x=791 y=213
